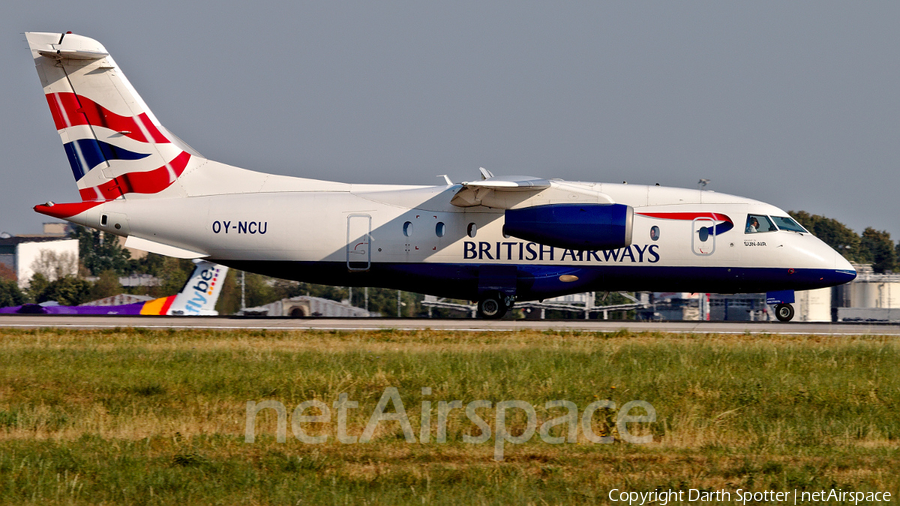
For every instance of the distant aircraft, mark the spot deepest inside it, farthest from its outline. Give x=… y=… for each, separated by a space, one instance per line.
x=495 y=241
x=197 y=298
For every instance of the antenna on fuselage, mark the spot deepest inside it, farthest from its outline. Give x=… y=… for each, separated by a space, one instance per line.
x=702 y=184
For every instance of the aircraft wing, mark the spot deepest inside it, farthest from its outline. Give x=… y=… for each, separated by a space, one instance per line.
x=508 y=192
x=474 y=193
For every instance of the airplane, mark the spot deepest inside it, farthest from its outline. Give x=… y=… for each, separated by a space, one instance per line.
x=197 y=298
x=495 y=240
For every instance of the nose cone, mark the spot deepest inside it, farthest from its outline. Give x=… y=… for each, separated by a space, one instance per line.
x=843 y=271
x=826 y=267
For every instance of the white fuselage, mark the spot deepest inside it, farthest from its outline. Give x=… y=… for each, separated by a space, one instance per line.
x=358 y=230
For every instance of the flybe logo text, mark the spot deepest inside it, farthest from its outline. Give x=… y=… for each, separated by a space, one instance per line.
x=206 y=282
x=531 y=251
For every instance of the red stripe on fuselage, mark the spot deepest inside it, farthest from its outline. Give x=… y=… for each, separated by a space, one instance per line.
x=69 y=110
x=687 y=216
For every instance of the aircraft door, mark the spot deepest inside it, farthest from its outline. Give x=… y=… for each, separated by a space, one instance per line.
x=359 y=239
x=703 y=237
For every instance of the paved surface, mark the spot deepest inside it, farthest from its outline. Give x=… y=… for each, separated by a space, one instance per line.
x=168 y=322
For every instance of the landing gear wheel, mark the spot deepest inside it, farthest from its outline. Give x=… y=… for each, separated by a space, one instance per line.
x=492 y=307
x=784 y=312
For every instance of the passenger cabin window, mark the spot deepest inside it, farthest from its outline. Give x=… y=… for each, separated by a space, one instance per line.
x=703 y=233
x=785 y=223
x=440 y=229
x=407 y=228
x=759 y=223
x=471 y=230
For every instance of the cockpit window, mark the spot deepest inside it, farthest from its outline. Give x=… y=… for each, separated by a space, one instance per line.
x=785 y=223
x=759 y=223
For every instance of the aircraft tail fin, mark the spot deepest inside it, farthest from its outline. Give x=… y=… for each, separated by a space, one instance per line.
x=197 y=298
x=114 y=143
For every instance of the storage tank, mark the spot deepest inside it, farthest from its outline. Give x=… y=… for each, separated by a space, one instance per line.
x=813 y=305
x=871 y=290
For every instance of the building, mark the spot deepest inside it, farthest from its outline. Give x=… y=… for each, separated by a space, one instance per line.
x=305 y=306
x=22 y=254
x=870 y=297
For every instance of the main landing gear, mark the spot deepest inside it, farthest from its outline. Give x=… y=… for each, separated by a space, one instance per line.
x=784 y=312
x=493 y=306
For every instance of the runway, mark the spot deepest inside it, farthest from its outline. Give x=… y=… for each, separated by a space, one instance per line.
x=472 y=325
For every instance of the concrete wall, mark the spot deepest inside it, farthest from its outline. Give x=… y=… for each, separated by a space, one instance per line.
x=868 y=314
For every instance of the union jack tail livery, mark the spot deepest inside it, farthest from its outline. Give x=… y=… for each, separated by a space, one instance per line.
x=115 y=145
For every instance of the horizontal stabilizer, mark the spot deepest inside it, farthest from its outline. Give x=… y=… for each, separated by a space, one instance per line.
x=71 y=54
x=161 y=249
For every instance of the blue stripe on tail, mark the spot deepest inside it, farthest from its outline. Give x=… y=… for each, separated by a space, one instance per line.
x=85 y=154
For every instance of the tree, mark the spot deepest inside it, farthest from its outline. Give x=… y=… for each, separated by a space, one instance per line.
x=151 y=264
x=107 y=285
x=257 y=289
x=10 y=295
x=880 y=249
x=36 y=287
x=173 y=274
x=7 y=274
x=100 y=251
x=68 y=291
x=53 y=265
x=833 y=233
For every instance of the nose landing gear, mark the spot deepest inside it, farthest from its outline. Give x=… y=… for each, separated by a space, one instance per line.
x=784 y=312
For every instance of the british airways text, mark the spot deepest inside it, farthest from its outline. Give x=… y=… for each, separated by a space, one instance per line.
x=528 y=251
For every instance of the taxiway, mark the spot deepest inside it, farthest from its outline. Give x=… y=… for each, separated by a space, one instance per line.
x=351 y=324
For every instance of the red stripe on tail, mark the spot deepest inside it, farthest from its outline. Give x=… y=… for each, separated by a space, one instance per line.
x=69 y=109
x=153 y=181
x=63 y=211
x=166 y=305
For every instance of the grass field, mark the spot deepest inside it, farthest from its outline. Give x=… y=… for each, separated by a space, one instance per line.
x=156 y=417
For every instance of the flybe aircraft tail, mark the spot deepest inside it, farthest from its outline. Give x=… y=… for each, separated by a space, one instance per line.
x=197 y=298
x=115 y=145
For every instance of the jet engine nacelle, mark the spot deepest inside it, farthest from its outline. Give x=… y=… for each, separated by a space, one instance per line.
x=573 y=226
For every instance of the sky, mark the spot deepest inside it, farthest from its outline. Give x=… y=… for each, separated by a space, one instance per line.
x=793 y=103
